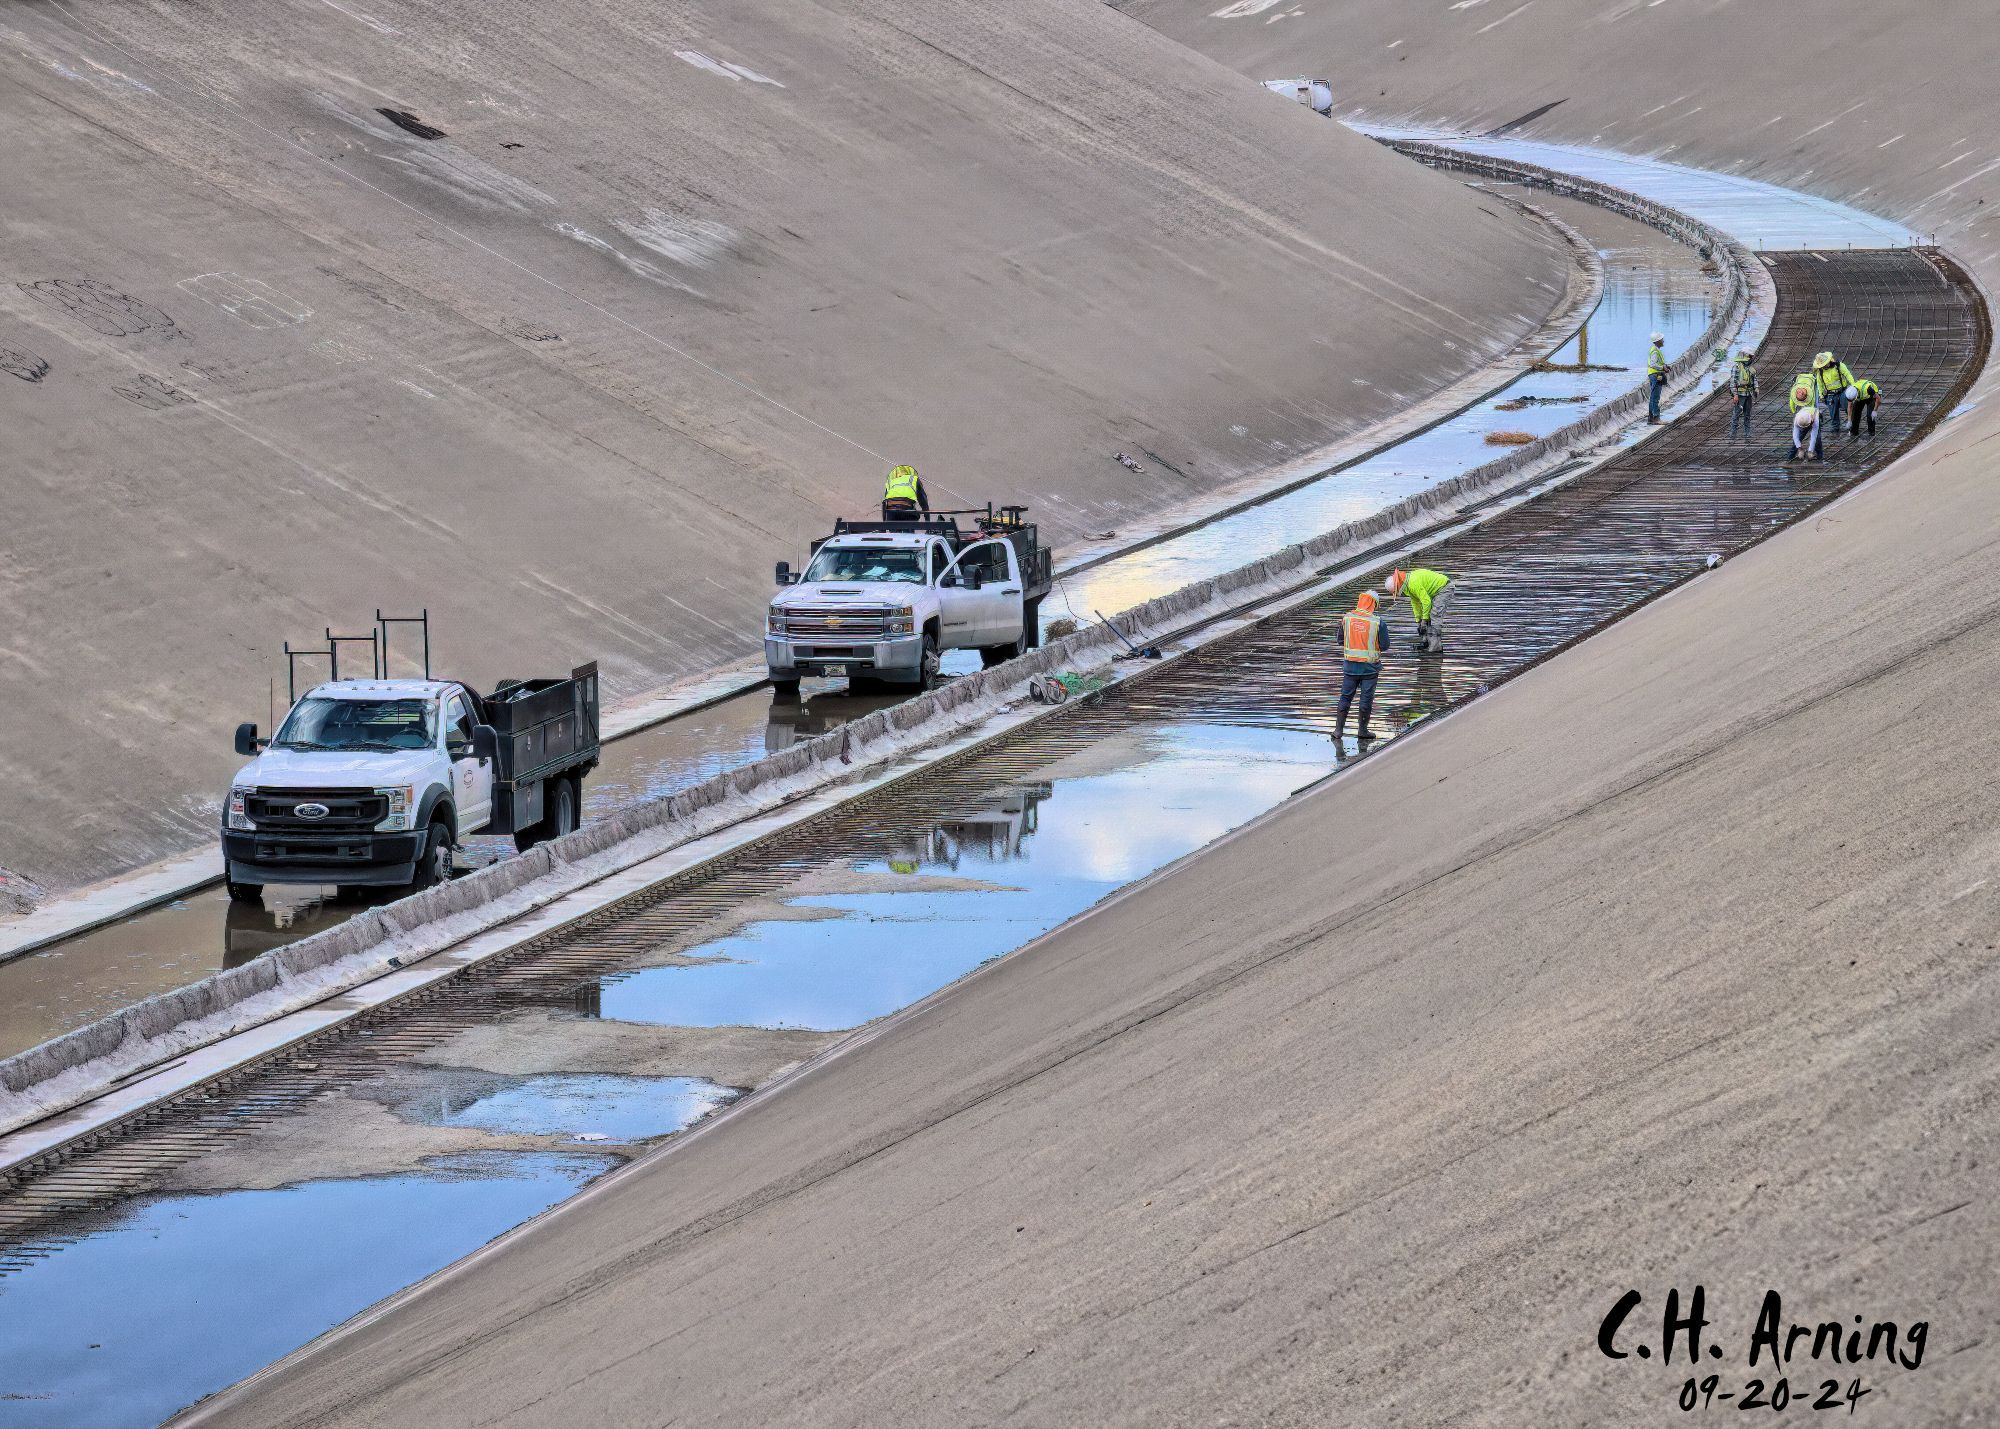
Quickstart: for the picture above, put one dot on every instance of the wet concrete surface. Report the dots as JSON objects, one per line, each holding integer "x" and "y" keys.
{"x": 596, "y": 1107}
{"x": 178, "y": 1296}
{"x": 1050, "y": 846}
{"x": 1651, "y": 282}
{"x": 1046, "y": 825}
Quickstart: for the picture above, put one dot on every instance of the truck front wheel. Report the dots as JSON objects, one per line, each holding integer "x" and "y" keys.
{"x": 927, "y": 667}
{"x": 244, "y": 892}
{"x": 434, "y": 863}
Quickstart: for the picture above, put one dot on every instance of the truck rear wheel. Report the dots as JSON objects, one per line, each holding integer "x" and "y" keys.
{"x": 561, "y": 802}
{"x": 434, "y": 862}
{"x": 244, "y": 892}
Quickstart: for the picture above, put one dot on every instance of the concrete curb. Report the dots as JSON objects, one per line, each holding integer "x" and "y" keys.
{"x": 93, "y": 1057}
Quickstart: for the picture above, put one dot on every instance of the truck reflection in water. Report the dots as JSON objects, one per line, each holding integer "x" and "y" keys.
{"x": 987, "y": 835}
{"x": 794, "y": 720}
{"x": 288, "y": 914}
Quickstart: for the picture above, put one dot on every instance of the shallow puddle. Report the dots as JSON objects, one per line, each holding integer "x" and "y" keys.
{"x": 181, "y": 1296}
{"x": 584, "y": 1108}
{"x": 1052, "y": 848}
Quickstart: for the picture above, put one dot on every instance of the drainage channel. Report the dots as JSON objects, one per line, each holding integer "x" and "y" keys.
{"x": 383, "y": 1149}
{"x": 1652, "y": 282}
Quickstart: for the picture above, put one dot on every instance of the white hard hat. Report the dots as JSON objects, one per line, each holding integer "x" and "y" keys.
{"x": 1744, "y": 353}
{"x": 1659, "y": 337}
{"x": 1854, "y": 394}
{"x": 1805, "y": 417}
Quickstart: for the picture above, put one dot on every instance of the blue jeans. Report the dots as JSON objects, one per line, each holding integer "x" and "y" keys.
{"x": 1656, "y": 383}
{"x": 1356, "y": 677}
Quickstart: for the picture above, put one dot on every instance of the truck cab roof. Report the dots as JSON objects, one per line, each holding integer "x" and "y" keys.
{"x": 383, "y": 689}
{"x": 903, "y": 540}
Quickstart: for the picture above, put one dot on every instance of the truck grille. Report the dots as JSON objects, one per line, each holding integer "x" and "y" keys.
{"x": 347, "y": 810}
{"x": 836, "y": 623}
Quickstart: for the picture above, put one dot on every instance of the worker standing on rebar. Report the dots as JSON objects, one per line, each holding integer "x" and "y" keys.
{"x": 903, "y": 495}
{"x": 1364, "y": 640}
{"x": 1834, "y": 379}
{"x": 1656, "y": 376}
{"x": 1429, "y": 593}
{"x": 1807, "y": 436}
{"x": 1862, "y": 399}
{"x": 1743, "y": 382}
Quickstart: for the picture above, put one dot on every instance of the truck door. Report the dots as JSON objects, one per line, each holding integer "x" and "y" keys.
{"x": 471, "y": 777}
{"x": 958, "y": 608}
{"x": 995, "y": 607}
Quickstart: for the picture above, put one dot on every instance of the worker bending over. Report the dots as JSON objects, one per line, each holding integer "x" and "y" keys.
{"x": 1656, "y": 376}
{"x": 1429, "y": 592}
{"x": 1743, "y": 382}
{"x": 1364, "y": 640}
{"x": 1807, "y": 436}
{"x": 903, "y": 496}
{"x": 1834, "y": 379}
{"x": 1862, "y": 399}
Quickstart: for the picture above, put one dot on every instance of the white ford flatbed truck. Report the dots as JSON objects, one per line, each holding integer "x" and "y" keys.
{"x": 372, "y": 783}
{"x": 883, "y": 600}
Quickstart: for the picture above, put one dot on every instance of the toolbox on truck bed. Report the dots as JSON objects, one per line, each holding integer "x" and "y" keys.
{"x": 541, "y": 727}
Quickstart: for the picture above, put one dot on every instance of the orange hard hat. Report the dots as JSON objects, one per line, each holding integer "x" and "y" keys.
{"x": 1365, "y": 602}
{"x": 1395, "y": 582}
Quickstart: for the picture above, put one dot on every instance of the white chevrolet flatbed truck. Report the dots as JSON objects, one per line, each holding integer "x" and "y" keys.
{"x": 883, "y": 600}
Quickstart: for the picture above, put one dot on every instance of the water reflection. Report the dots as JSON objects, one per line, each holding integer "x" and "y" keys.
{"x": 894, "y": 919}
{"x": 179, "y": 1296}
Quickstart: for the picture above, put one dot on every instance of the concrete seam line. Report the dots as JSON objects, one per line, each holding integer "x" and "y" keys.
{"x": 577, "y": 853}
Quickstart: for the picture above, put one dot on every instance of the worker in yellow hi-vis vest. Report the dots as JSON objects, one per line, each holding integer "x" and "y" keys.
{"x": 903, "y": 495}
{"x": 1656, "y": 376}
{"x": 1429, "y": 593}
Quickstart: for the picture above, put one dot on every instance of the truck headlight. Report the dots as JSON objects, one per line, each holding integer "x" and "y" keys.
{"x": 239, "y": 817}
{"x": 899, "y": 621}
{"x": 402, "y": 799}
{"x": 774, "y": 623}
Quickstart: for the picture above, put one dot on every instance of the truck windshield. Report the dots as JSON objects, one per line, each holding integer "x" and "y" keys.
{"x": 357, "y": 724}
{"x": 866, "y": 565}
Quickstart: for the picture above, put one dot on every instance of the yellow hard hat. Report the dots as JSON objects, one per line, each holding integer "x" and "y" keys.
{"x": 895, "y": 472}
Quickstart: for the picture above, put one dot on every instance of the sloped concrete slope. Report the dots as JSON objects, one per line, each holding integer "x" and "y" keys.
{"x": 1885, "y": 106}
{"x": 565, "y": 320}
{"x": 1668, "y": 963}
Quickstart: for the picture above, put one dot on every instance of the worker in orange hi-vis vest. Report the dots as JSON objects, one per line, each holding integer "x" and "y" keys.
{"x": 1364, "y": 640}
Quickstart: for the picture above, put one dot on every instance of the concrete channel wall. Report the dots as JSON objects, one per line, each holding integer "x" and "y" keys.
{"x": 78, "y": 1065}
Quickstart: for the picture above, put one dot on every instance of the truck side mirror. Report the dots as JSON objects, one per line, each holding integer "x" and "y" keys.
{"x": 948, "y": 581}
{"x": 784, "y": 573}
{"x": 485, "y": 742}
{"x": 970, "y": 579}
{"x": 246, "y": 740}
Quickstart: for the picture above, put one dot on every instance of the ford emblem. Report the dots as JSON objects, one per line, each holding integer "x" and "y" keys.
{"x": 311, "y": 811}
